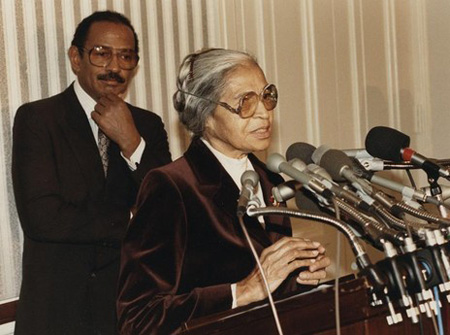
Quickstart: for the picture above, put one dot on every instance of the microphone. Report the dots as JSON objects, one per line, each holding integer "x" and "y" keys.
{"x": 405, "y": 191}
{"x": 371, "y": 163}
{"x": 391, "y": 144}
{"x": 277, "y": 163}
{"x": 338, "y": 165}
{"x": 286, "y": 190}
{"x": 300, "y": 150}
{"x": 249, "y": 180}
{"x": 386, "y": 143}
{"x": 371, "y": 227}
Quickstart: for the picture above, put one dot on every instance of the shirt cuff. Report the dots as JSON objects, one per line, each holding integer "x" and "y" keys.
{"x": 233, "y": 295}
{"x": 136, "y": 157}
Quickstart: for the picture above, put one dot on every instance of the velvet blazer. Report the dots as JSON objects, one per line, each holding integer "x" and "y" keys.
{"x": 73, "y": 217}
{"x": 184, "y": 247}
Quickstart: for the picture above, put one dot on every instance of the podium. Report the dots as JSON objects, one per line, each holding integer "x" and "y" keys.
{"x": 314, "y": 313}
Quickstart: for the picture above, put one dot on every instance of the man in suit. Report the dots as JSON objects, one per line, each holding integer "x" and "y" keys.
{"x": 73, "y": 197}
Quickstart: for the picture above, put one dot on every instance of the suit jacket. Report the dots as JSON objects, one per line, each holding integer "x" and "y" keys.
{"x": 184, "y": 247}
{"x": 73, "y": 217}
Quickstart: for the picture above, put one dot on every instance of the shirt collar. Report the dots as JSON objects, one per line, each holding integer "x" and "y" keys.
{"x": 234, "y": 166}
{"x": 85, "y": 99}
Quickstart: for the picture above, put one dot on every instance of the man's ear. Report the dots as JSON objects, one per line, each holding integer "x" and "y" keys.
{"x": 75, "y": 59}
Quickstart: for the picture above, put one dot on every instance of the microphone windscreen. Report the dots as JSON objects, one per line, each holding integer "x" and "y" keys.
{"x": 251, "y": 177}
{"x": 333, "y": 161}
{"x": 300, "y": 150}
{"x": 274, "y": 161}
{"x": 318, "y": 153}
{"x": 386, "y": 143}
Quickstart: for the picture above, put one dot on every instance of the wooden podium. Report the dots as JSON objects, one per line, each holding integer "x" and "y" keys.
{"x": 314, "y": 313}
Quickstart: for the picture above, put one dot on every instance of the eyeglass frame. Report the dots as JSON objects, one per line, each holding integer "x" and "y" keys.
{"x": 237, "y": 110}
{"x": 89, "y": 52}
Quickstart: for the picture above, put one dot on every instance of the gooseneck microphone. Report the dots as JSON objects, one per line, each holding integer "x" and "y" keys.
{"x": 391, "y": 144}
{"x": 249, "y": 180}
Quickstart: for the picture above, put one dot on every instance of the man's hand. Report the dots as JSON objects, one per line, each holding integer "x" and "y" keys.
{"x": 114, "y": 118}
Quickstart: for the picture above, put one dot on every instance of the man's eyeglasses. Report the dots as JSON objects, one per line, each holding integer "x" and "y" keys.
{"x": 102, "y": 56}
{"x": 249, "y": 102}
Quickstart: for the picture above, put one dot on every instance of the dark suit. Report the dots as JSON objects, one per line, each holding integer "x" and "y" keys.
{"x": 185, "y": 247}
{"x": 72, "y": 217}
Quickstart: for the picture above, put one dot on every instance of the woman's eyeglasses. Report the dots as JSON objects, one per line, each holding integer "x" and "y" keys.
{"x": 249, "y": 102}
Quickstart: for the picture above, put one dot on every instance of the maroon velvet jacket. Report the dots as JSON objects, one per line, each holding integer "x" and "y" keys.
{"x": 184, "y": 247}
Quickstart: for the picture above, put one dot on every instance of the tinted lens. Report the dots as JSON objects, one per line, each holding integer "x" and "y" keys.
{"x": 248, "y": 104}
{"x": 270, "y": 97}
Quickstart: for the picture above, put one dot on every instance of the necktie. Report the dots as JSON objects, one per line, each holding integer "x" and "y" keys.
{"x": 103, "y": 144}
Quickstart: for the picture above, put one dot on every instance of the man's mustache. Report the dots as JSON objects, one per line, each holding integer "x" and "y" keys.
{"x": 111, "y": 76}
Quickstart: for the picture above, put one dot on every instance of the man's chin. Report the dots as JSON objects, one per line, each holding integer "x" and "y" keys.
{"x": 115, "y": 89}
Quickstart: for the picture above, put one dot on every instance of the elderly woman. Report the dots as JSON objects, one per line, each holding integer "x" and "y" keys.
{"x": 185, "y": 254}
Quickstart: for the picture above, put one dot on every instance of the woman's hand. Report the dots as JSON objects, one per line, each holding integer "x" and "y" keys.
{"x": 278, "y": 261}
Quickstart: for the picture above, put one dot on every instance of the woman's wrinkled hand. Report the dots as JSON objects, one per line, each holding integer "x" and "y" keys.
{"x": 278, "y": 261}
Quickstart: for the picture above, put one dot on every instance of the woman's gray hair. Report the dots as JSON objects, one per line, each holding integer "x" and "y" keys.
{"x": 204, "y": 74}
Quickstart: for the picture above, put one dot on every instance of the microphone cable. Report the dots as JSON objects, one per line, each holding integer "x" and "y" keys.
{"x": 438, "y": 308}
{"x": 337, "y": 311}
{"x": 266, "y": 285}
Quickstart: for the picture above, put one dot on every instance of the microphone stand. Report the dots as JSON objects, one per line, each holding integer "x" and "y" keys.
{"x": 436, "y": 191}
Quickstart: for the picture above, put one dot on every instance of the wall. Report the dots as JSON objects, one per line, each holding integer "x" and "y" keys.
{"x": 342, "y": 67}
{"x": 439, "y": 66}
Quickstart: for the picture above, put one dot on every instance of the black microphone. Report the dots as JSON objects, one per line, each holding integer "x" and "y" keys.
{"x": 386, "y": 143}
{"x": 339, "y": 166}
{"x": 300, "y": 150}
{"x": 391, "y": 144}
{"x": 249, "y": 180}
